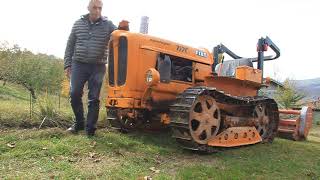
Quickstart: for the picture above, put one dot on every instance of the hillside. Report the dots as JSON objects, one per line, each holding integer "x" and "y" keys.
{"x": 309, "y": 86}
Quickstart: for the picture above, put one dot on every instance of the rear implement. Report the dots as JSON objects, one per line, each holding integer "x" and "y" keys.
{"x": 294, "y": 124}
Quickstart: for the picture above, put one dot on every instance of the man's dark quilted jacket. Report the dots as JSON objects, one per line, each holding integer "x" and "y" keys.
{"x": 87, "y": 41}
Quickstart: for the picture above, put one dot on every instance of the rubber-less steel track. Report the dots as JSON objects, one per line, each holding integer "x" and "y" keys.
{"x": 259, "y": 106}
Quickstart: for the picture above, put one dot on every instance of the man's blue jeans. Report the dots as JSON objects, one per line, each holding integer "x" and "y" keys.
{"x": 80, "y": 74}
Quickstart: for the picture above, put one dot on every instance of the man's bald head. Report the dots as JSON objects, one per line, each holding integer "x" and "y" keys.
{"x": 93, "y": 2}
{"x": 95, "y": 9}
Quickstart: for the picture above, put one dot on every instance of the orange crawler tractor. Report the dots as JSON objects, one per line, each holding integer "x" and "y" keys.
{"x": 206, "y": 101}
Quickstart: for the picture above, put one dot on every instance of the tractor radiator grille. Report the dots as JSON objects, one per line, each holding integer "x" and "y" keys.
{"x": 111, "y": 64}
{"x": 122, "y": 60}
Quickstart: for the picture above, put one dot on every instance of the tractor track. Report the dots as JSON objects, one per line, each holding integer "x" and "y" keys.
{"x": 180, "y": 110}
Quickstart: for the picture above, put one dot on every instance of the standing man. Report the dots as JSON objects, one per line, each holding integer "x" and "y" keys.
{"x": 85, "y": 61}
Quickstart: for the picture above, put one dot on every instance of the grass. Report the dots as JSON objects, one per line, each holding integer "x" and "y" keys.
{"x": 15, "y": 109}
{"x": 53, "y": 154}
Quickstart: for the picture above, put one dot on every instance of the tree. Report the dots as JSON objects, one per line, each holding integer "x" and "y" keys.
{"x": 36, "y": 72}
{"x": 7, "y": 61}
{"x": 289, "y": 97}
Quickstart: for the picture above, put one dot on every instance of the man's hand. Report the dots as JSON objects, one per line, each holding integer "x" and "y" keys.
{"x": 67, "y": 72}
{"x": 124, "y": 25}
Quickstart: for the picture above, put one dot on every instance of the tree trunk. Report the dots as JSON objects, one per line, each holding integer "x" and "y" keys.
{"x": 4, "y": 81}
{"x": 32, "y": 91}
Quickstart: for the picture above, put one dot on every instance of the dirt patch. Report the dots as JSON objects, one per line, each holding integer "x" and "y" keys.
{"x": 170, "y": 164}
{"x": 98, "y": 164}
{"x": 175, "y": 162}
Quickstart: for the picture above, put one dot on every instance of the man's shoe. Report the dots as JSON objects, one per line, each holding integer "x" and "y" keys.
{"x": 90, "y": 134}
{"x": 74, "y": 129}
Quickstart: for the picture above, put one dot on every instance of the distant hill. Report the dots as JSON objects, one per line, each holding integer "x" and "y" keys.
{"x": 309, "y": 86}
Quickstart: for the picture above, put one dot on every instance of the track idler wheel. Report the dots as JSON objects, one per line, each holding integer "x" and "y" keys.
{"x": 263, "y": 122}
{"x": 261, "y": 119}
{"x": 204, "y": 119}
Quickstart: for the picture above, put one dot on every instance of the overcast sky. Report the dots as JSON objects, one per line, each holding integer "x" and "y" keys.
{"x": 44, "y": 26}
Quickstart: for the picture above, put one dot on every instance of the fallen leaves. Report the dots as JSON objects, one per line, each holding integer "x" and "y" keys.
{"x": 76, "y": 153}
{"x": 11, "y": 145}
{"x": 119, "y": 153}
{"x": 147, "y": 178}
{"x": 310, "y": 173}
{"x": 92, "y": 154}
{"x": 72, "y": 160}
{"x": 93, "y": 144}
{"x": 97, "y": 160}
{"x": 95, "y": 157}
{"x": 158, "y": 159}
{"x": 153, "y": 169}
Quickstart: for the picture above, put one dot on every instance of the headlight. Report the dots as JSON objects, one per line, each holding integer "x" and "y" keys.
{"x": 149, "y": 76}
{"x": 152, "y": 77}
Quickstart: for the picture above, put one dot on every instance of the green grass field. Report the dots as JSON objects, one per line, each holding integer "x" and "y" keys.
{"x": 15, "y": 109}
{"x": 52, "y": 153}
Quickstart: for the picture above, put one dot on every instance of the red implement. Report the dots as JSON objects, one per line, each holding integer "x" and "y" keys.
{"x": 295, "y": 124}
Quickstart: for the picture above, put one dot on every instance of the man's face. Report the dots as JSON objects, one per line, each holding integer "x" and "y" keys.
{"x": 95, "y": 8}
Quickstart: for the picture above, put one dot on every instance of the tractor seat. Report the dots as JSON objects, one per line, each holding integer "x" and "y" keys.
{"x": 228, "y": 68}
